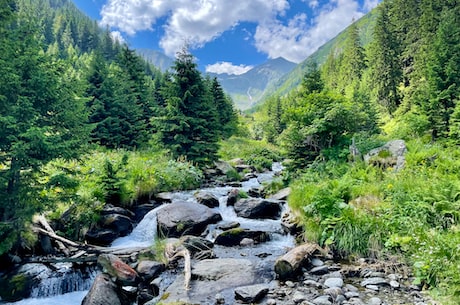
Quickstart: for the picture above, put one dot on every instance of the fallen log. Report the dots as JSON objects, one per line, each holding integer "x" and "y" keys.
{"x": 44, "y": 223}
{"x": 289, "y": 265}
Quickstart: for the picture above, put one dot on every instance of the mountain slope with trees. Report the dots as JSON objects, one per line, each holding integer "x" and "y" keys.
{"x": 400, "y": 84}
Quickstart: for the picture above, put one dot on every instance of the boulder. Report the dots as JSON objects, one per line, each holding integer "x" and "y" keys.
{"x": 206, "y": 198}
{"x": 252, "y": 293}
{"x": 143, "y": 209}
{"x": 233, "y": 237}
{"x": 120, "y": 224}
{"x": 223, "y": 167}
{"x": 233, "y": 196}
{"x": 111, "y": 209}
{"x": 104, "y": 292}
{"x": 181, "y": 218}
{"x": 281, "y": 194}
{"x": 196, "y": 244}
{"x": 209, "y": 277}
{"x": 149, "y": 270}
{"x": 392, "y": 154}
{"x": 19, "y": 283}
{"x": 115, "y": 267}
{"x": 100, "y": 237}
{"x": 258, "y": 208}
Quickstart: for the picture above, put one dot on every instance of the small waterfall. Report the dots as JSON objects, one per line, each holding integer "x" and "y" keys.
{"x": 65, "y": 279}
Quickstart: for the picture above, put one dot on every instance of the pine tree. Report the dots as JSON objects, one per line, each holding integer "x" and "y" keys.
{"x": 41, "y": 118}
{"x": 384, "y": 63}
{"x": 189, "y": 126}
{"x": 443, "y": 72}
{"x": 227, "y": 118}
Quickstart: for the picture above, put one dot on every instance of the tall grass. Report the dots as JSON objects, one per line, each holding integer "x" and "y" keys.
{"x": 357, "y": 209}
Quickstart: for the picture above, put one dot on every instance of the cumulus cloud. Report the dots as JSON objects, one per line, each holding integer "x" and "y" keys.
{"x": 228, "y": 68}
{"x": 196, "y": 22}
{"x": 299, "y": 38}
{"x": 199, "y": 22}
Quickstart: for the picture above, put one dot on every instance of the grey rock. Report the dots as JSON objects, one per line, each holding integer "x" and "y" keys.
{"x": 103, "y": 292}
{"x": 373, "y": 287}
{"x": 394, "y": 284}
{"x": 282, "y": 194}
{"x": 179, "y": 218}
{"x": 252, "y": 293}
{"x": 374, "y": 301}
{"x": 333, "y": 292}
{"x": 211, "y": 275}
{"x": 149, "y": 270}
{"x": 351, "y": 294}
{"x": 316, "y": 262}
{"x": 271, "y": 302}
{"x": 322, "y": 300}
{"x": 223, "y": 167}
{"x": 219, "y": 299}
{"x": 258, "y": 208}
{"x": 207, "y": 199}
{"x": 374, "y": 281}
{"x": 312, "y": 283}
{"x": 349, "y": 287}
{"x": 320, "y": 270}
{"x": 333, "y": 282}
{"x": 335, "y": 274}
{"x": 234, "y": 237}
{"x": 299, "y": 297}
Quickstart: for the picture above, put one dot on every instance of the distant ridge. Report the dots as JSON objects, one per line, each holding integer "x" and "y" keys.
{"x": 246, "y": 89}
{"x": 156, "y": 58}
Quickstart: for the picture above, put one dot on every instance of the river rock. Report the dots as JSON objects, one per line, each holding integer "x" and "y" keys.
{"x": 258, "y": 208}
{"x": 378, "y": 281}
{"x": 115, "y": 267}
{"x": 196, "y": 244}
{"x": 232, "y": 196}
{"x": 395, "y": 156}
{"x": 233, "y": 237}
{"x": 209, "y": 277}
{"x": 104, "y": 292}
{"x": 120, "y": 224}
{"x": 206, "y": 198}
{"x": 252, "y": 293}
{"x": 149, "y": 270}
{"x": 320, "y": 270}
{"x": 143, "y": 209}
{"x": 333, "y": 282}
{"x": 281, "y": 194}
{"x": 179, "y": 218}
{"x": 100, "y": 237}
{"x": 223, "y": 167}
{"x": 109, "y": 209}
{"x": 322, "y": 300}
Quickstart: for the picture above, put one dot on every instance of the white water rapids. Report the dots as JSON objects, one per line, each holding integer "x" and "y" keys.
{"x": 145, "y": 232}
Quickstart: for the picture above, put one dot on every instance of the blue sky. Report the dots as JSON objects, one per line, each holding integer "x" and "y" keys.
{"x": 227, "y": 36}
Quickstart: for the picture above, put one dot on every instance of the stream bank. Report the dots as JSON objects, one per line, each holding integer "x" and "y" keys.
{"x": 239, "y": 269}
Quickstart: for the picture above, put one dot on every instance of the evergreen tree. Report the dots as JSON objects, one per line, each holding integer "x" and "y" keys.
{"x": 41, "y": 118}
{"x": 385, "y": 68}
{"x": 274, "y": 125}
{"x": 312, "y": 81}
{"x": 189, "y": 126}
{"x": 227, "y": 118}
{"x": 353, "y": 60}
{"x": 443, "y": 72}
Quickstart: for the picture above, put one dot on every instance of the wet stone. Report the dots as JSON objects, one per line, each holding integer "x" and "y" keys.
{"x": 351, "y": 294}
{"x": 316, "y": 262}
{"x": 320, "y": 270}
{"x": 374, "y": 281}
{"x": 333, "y": 282}
{"x": 312, "y": 283}
{"x": 375, "y": 301}
{"x": 322, "y": 300}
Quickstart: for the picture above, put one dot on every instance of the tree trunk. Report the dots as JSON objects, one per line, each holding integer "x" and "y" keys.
{"x": 290, "y": 264}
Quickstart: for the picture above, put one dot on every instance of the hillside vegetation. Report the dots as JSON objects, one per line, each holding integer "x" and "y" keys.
{"x": 401, "y": 84}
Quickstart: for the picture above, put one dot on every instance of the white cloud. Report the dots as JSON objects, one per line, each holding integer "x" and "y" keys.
{"x": 370, "y": 4}
{"x": 196, "y": 22}
{"x": 199, "y": 22}
{"x": 117, "y": 36}
{"x": 301, "y": 37}
{"x": 227, "y": 67}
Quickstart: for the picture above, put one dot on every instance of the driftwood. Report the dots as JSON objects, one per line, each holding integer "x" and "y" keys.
{"x": 289, "y": 265}
{"x": 44, "y": 223}
{"x": 173, "y": 252}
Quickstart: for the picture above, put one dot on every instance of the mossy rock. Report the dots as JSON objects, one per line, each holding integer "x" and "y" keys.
{"x": 15, "y": 288}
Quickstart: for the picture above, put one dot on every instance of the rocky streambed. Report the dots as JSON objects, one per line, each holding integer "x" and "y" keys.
{"x": 234, "y": 245}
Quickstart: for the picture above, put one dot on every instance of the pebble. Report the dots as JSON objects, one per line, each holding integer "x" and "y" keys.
{"x": 316, "y": 262}
{"x": 394, "y": 284}
{"x": 333, "y": 282}
{"x": 322, "y": 300}
{"x": 312, "y": 283}
{"x": 351, "y": 294}
{"x": 373, "y": 287}
{"x": 299, "y": 297}
{"x": 290, "y": 284}
{"x": 374, "y": 281}
{"x": 375, "y": 301}
{"x": 320, "y": 270}
{"x": 219, "y": 299}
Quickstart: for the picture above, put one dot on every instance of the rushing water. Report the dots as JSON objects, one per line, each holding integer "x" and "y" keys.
{"x": 144, "y": 235}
